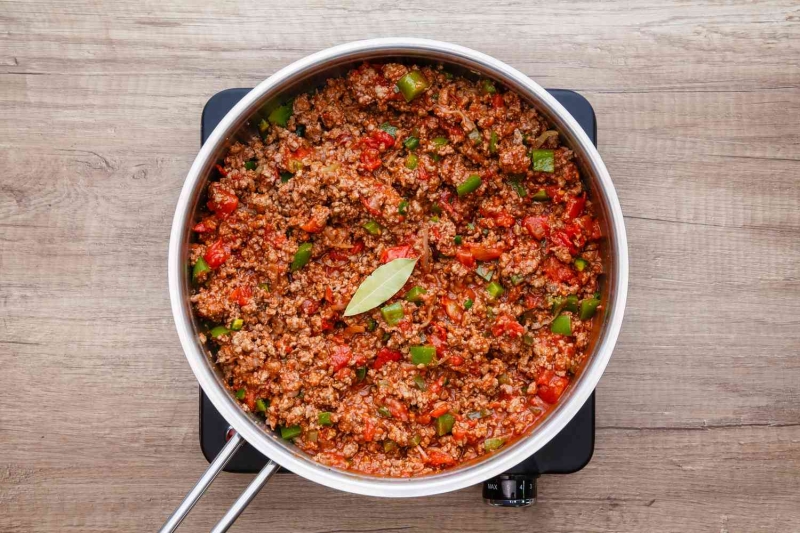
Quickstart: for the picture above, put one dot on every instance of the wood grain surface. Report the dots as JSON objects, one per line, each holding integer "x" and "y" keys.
{"x": 698, "y": 105}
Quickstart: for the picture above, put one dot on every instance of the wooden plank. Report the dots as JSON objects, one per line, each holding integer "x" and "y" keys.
{"x": 698, "y": 426}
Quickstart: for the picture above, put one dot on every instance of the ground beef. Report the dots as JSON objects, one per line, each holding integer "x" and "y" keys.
{"x": 365, "y": 176}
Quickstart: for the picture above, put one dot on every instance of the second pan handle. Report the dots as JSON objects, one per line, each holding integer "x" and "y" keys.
{"x": 246, "y": 497}
{"x": 231, "y": 447}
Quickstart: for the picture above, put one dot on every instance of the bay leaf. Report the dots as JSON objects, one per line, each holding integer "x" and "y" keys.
{"x": 381, "y": 285}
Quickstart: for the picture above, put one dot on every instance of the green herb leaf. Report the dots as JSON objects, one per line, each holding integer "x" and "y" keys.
{"x": 381, "y": 285}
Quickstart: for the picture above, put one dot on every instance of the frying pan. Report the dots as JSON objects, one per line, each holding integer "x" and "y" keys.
{"x": 239, "y": 125}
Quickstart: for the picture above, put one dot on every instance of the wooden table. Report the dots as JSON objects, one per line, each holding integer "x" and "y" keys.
{"x": 698, "y": 422}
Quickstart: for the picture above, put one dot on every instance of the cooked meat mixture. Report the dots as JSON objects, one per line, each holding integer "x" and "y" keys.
{"x": 394, "y": 161}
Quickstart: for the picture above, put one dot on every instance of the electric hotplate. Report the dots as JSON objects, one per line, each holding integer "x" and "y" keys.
{"x": 567, "y": 452}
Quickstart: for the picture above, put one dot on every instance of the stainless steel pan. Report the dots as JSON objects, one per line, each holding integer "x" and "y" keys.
{"x": 237, "y": 124}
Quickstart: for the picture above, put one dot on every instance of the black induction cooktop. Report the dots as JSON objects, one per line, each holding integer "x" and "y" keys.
{"x": 567, "y": 452}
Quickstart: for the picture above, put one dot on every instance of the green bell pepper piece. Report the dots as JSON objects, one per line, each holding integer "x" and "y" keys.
{"x": 219, "y": 331}
{"x": 262, "y": 405}
{"x": 412, "y": 84}
{"x": 301, "y": 257}
{"x": 469, "y": 185}
{"x": 415, "y": 293}
{"x": 388, "y": 128}
{"x": 562, "y": 325}
{"x": 493, "y": 140}
{"x": 540, "y": 196}
{"x": 422, "y": 355}
{"x": 444, "y": 424}
{"x": 411, "y": 143}
{"x": 280, "y": 115}
{"x": 588, "y": 308}
{"x": 543, "y": 160}
{"x": 372, "y": 227}
{"x": 392, "y": 313}
{"x": 493, "y": 444}
{"x": 495, "y": 290}
{"x": 199, "y": 267}
{"x": 290, "y": 432}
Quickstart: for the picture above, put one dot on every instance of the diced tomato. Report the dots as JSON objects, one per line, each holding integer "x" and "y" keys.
{"x": 329, "y": 295}
{"x": 507, "y": 324}
{"x": 221, "y": 201}
{"x": 250, "y": 398}
{"x": 343, "y": 373}
{"x": 538, "y": 402}
{"x": 217, "y": 254}
{"x": 301, "y": 153}
{"x": 312, "y": 226}
{"x": 437, "y": 385}
{"x": 205, "y": 226}
{"x": 396, "y": 252}
{"x": 372, "y": 205}
{"x": 275, "y": 238}
{"x": 500, "y": 218}
{"x": 384, "y": 356}
{"x": 504, "y": 220}
{"x": 357, "y": 248}
{"x": 596, "y": 233}
{"x": 550, "y": 387}
{"x": 465, "y": 257}
{"x": 562, "y": 238}
{"x": 544, "y": 376}
{"x": 439, "y": 338}
{"x": 397, "y": 408}
{"x": 241, "y": 295}
{"x": 369, "y": 430}
{"x": 454, "y": 133}
{"x": 370, "y": 159}
{"x": 221, "y": 170}
{"x": 378, "y": 140}
{"x": 437, "y": 458}
{"x": 340, "y": 357}
{"x": 456, "y": 360}
{"x": 336, "y": 255}
{"x": 575, "y": 206}
{"x": 460, "y": 433}
{"x": 422, "y": 174}
{"x": 534, "y": 301}
{"x": 485, "y": 253}
{"x": 439, "y": 410}
{"x": 497, "y": 101}
{"x": 424, "y": 419}
{"x": 309, "y": 307}
{"x": 327, "y": 325}
{"x": 557, "y": 271}
{"x": 555, "y": 193}
{"x": 514, "y": 293}
{"x": 538, "y": 226}
{"x": 452, "y": 308}
{"x": 576, "y": 235}
{"x": 591, "y": 227}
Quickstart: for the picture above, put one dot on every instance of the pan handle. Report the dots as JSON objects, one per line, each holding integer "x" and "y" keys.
{"x": 219, "y": 462}
{"x": 246, "y": 497}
